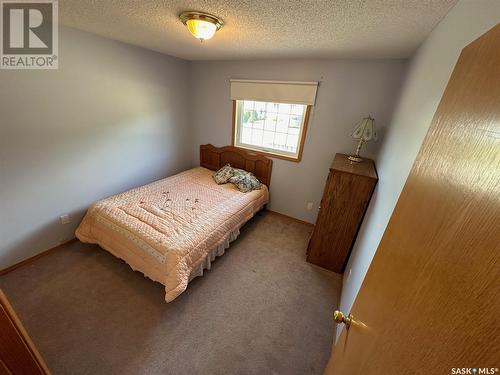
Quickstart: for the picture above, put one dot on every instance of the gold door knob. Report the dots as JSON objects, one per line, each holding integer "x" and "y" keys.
{"x": 339, "y": 317}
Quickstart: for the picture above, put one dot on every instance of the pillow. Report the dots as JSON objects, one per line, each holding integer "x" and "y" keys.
{"x": 245, "y": 181}
{"x": 223, "y": 175}
{"x": 239, "y": 172}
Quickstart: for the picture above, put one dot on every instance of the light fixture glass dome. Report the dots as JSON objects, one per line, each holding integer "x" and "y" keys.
{"x": 201, "y": 25}
{"x": 200, "y": 29}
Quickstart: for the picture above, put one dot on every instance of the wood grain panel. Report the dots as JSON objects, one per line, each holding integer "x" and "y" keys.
{"x": 348, "y": 190}
{"x": 430, "y": 301}
{"x": 17, "y": 353}
{"x": 213, "y": 158}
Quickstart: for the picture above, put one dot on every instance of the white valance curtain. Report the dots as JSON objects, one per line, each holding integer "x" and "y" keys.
{"x": 274, "y": 91}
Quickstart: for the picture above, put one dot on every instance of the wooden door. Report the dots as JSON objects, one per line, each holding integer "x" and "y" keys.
{"x": 18, "y": 355}
{"x": 430, "y": 302}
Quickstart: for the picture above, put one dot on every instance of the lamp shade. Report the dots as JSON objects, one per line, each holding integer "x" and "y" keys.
{"x": 365, "y": 130}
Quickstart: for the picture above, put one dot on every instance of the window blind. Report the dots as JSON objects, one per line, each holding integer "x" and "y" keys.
{"x": 274, "y": 91}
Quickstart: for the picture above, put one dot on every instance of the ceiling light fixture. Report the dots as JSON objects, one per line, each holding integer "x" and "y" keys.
{"x": 202, "y": 25}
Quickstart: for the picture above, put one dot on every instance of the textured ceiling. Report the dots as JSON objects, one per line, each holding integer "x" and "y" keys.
{"x": 265, "y": 28}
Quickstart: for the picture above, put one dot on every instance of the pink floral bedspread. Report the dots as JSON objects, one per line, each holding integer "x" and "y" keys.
{"x": 168, "y": 228}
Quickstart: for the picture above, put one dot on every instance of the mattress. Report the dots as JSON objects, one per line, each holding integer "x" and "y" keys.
{"x": 171, "y": 229}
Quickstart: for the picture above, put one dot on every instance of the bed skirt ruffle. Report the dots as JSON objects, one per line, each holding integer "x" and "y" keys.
{"x": 206, "y": 264}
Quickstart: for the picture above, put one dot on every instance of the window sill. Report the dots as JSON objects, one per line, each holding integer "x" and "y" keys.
{"x": 270, "y": 154}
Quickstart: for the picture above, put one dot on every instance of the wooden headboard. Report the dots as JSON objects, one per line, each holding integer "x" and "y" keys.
{"x": 214, "y": 158}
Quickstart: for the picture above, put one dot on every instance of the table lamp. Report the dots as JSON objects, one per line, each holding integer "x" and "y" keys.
{"x": 365, "y": 131}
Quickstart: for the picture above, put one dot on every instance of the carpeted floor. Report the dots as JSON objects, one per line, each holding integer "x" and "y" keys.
{"x": 261, "y": 309}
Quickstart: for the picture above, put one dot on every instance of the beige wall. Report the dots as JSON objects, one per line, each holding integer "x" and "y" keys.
{"x": 348, "y": 91}
{"x": 427, "y": 77}
{"x": 111, "y": 118}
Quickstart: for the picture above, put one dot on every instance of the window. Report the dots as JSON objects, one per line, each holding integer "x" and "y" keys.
{"x": 273, "y": 128}
{"x": 271, "y": 116}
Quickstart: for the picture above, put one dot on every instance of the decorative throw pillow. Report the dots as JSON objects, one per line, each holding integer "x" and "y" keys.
{"x": 256, "y": 185}
{"x": 245, "y": 182}
{"x": 242, "y": 183}
{"x": 223, "y": 175}
{"x": 239, "y": 172}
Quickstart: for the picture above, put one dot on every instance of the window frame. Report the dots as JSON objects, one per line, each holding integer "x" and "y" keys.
{"x": 270, "y": 153}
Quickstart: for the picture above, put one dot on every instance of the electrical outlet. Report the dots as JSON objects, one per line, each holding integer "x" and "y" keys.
{"x": 65, "y": 219}
{"x": 310, "y": 205}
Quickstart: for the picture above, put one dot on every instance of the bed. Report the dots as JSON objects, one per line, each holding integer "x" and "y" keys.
{"x": 172, "y": 229}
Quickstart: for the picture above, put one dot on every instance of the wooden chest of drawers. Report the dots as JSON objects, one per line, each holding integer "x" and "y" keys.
{"x": 348, "y": 190}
